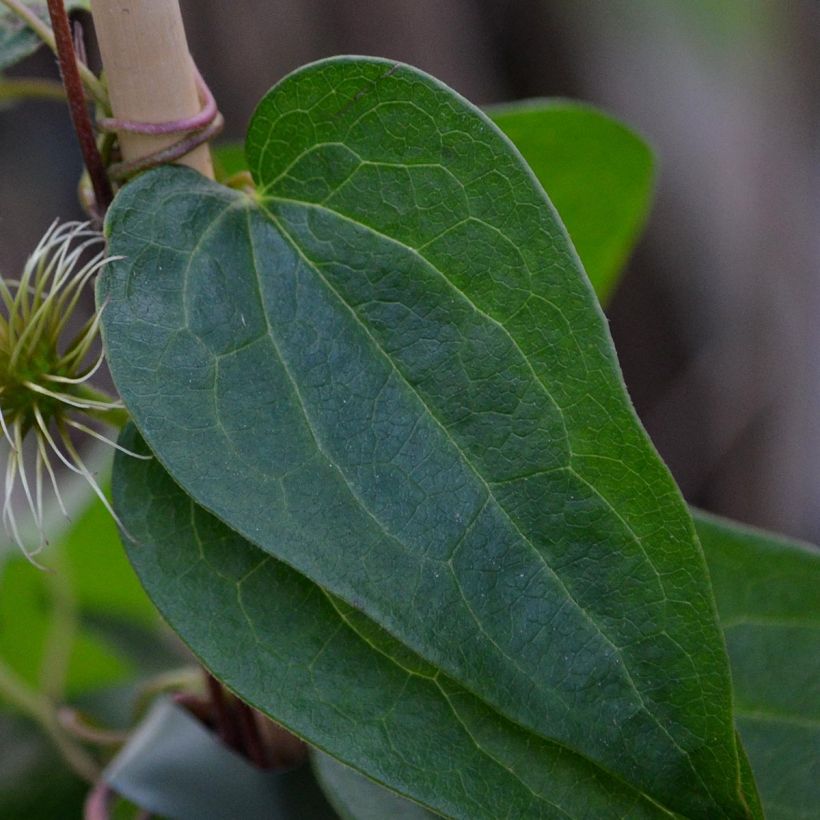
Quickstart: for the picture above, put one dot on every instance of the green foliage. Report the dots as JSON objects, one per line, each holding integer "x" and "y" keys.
{"x": 101, "y": 577}
{"x": 17, "y": 40}
{"x": 329, "y": 674}
{"x": 66, "y": 635}
{"x": 34, "y": 782}
{"x": 390, "y": 373}
{"x": 92, "y": 577}
{"x": 597, "y": 173}
{"x": 400, "y": 500}
{"x": 767, "y": 594}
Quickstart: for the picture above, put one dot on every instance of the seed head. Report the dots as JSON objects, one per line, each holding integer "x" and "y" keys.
{"x": 45, "y": 370}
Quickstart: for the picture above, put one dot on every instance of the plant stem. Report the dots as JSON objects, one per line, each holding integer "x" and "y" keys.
{"x": 59, "y": 641}
{"x": 225, "y": 720}
{"x": 251, "y": 737}
{"x": 31, "y": 88}
{"x": 95, "y": 88}
{"x": 77, "y": 105}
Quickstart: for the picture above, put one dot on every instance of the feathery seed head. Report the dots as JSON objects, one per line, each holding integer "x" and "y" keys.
{"x": 45, "y": 371}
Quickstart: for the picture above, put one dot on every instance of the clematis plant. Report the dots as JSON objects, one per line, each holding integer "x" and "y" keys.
{"x": 376, "y": 464}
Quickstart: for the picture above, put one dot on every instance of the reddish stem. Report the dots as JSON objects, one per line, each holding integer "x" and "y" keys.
{"x": 251, "y": 737}
{"x": 77, "y": 105}
{"x": 223, "y": 718}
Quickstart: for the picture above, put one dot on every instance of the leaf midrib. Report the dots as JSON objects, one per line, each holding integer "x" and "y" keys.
{"x": 492, "y": 319}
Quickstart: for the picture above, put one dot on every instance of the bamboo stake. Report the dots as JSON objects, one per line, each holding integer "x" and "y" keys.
{"x": 151, "y": 77}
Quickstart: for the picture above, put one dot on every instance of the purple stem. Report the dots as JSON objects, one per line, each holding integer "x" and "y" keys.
{"x": 77, "y": 105}
{"x": 201, "y": 119}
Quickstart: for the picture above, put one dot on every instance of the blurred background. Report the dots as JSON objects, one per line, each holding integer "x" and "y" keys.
{"x": 716, "y": 320}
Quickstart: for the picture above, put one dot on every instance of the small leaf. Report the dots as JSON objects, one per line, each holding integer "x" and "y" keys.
{"x": 389, "y": 371}
{"x": 26, "y": 617}
{"x": 597, "y": 172}
{"x": 173, "y": 766}
{"x": 229, "y": 159}
{"x": 17, "y": 40}
{"x": 102, "y": 579}
{"x": 768, "y": 595}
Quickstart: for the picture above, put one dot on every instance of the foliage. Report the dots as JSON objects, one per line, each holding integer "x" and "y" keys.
{"x": 766, "y": 590}
{"x": 394, "y": 493}
{"x": 17, "y": 40}
{"x": 395, "y": 331}
{"x": 598, "y": 175}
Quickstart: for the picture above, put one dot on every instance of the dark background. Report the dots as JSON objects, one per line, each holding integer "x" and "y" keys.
{"x": 717, "y": 319}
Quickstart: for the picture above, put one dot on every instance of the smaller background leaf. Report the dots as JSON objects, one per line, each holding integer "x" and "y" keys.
{"x": 26, "y": 614}
{"x": 173, "y": 766}
{"x": 229, "y": 159}
{"x": 104, "y": 582}
{"x": 597, "y": 172}
{"x": 17, "y": 40}
{"x": 767, "y": 594}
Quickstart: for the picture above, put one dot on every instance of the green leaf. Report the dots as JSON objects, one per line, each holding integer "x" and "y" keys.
{"x": 102, "y": 579}
{"x": 173, "y": 766}
{"x": 767, "y": 593}
{"x": 329, "y": 674}
{"x": 27, "y": 613}
{"x": 17, "y": 40}
{"x": 597, "y": 172}
{"x": 389, "y": 371}
{"x": 229, "y": 159}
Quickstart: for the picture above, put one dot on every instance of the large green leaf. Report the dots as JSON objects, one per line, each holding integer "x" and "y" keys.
{"x": 332, "y": 676}
{"x": 597, "y": 172}
{"x": 390, "y": 372}
{"x": 768, "y": 594}
{"x": 17, "y": 40}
